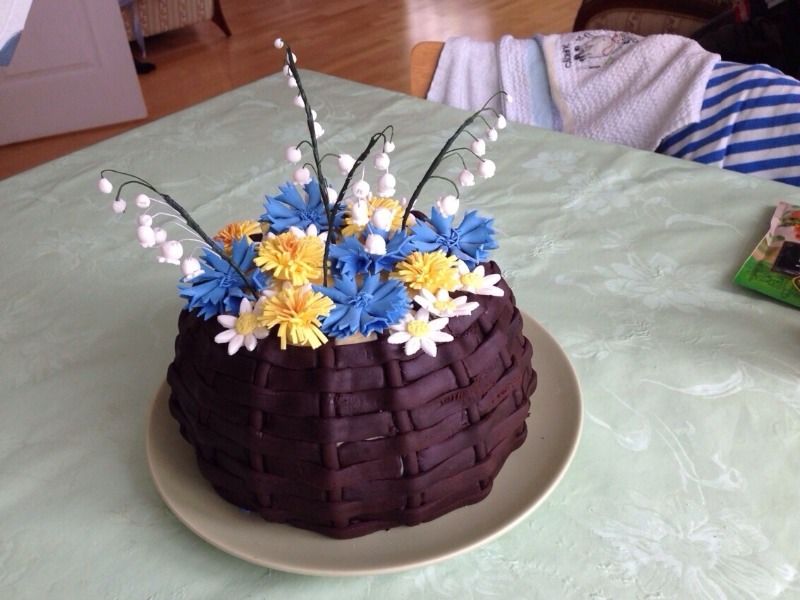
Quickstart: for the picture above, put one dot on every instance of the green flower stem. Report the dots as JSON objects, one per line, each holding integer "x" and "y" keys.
{"x": 330, "y": 212}
{"x": 194, "y": 225}
{"x": 323, "y": 184}
{"x": 361, "y": 158}
{"x": 443, "y": 153}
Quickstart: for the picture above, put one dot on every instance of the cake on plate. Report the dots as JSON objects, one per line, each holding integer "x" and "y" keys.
{"x": 346, "y": 363}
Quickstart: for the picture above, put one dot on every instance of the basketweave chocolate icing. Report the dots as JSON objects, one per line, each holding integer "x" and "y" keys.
{"x": 348, "y": 440}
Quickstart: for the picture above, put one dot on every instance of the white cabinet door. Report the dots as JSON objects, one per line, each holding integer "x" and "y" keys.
{"x": 71, "y": 70}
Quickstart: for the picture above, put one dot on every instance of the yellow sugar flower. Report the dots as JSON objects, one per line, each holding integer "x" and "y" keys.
{"x": 297, "y": 313}
{"x": 351, "y": 228}
{"x": 236, "y": 231}
{"x": 433, "y": 271}
{"x": 292, "y": 258}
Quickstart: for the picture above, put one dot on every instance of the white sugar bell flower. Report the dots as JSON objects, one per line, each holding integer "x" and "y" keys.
{"x": 278, "y": 43}
{"x": 359, "y": 212}
{"x": 447, "y": 205}
{"x": 160, "y": 235}
{"x": 105, "y": 186}
{"x": 382, "y": 161}
{"x": 301, "y": 176}
{"x": 293, "y": 155}
{"x": 298, "y": 101}
{"x": 345, "y": 163}
{"x": 292, "y": 82}
{"x": 146, "y": 236}
{"x": 382, "y": 218}
{"x": 318, "y": 130}
{"x": 361, "y": 189}
{"x": 190, "y": 267}
{"x": 375, "y": 244}
{"x": 478, "y": 147}
{"x": 171, "y": 252}
{"x": 491, "y": 134}
{"x": 142, "y": 201}
{"x": 466, "y": 178}
{"x": 388, "y": 146}
{"x": 486, "y": 168}
{"x": 386, "y": 185}
{"x": 119, "y": 205}
{"x": 144, "y": 219}
{"x": 333, "y": 195}
{"x": 501, "y": 122}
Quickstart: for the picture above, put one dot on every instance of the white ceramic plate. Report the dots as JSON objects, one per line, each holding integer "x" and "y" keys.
{"x": 528, "y": 476}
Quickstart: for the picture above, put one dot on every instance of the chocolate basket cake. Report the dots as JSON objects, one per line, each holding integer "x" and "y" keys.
{"x": 345, "y": 364}
{"x": 351, "y": 439}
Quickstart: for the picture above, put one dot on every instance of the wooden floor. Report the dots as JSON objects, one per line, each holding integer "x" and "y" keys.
{"x": 364, "y": 40}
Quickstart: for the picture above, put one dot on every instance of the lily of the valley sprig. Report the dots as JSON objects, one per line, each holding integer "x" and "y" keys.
{"x": 321, "y": 264}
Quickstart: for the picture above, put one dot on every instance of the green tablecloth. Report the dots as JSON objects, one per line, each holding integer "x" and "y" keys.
{"x": 684, "y": 484}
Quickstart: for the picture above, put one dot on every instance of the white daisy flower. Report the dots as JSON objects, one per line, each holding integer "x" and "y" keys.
{"x": 477, "y": 282}
{"x": 443, "y": 305}
{"x": 310, "y": 231}
{"x": 243, "y": 330}
{"x": 415, "y": 331}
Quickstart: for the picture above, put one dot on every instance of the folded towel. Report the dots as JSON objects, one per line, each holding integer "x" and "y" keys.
{"x": 607, "y": 85}
{"x": 466, "y": 75}
{"x": 623, "y": 88}
{"x": 471, "y": 72}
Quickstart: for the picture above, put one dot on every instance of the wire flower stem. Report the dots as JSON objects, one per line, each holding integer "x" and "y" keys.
{"x": 442, "y": 155}
{"x": 194, "y": 225}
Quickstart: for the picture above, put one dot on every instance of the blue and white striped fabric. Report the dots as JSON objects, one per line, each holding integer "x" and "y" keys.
{"x": 749, "y": 122}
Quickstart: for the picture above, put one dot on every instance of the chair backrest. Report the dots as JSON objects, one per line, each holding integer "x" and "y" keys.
{"x": 423, "y": 61}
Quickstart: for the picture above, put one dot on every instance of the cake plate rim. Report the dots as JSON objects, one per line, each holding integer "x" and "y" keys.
{"x": 554, "y": 431}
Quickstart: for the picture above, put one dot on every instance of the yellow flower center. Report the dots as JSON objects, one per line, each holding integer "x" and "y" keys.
{"x": 418, "y": 328}
{"x": 444, "y": 305}
{"x": 246, "y": 323}
{"x": 472, "y": 280}
{"x": 289, "y": 244}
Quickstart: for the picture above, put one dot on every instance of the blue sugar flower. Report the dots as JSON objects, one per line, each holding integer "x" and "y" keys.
{"x": 219, "y": 288}
{"x": 349, "y": 257}
{"x": 372, "y": 307}
{"x": 260, "y": 279}
{"x": 290, "y": 209}
{"x": 468, "y": 242}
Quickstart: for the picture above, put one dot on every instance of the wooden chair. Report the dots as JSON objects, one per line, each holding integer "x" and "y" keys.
{"x": 422, "y": 66}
